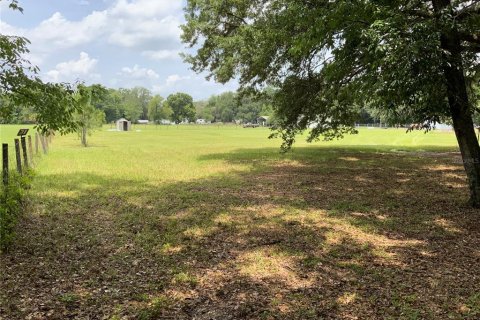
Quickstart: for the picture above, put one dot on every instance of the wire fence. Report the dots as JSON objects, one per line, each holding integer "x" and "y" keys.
{"x": 21, "y": 153}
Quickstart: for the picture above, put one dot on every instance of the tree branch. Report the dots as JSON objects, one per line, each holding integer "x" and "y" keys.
{"x": 469, "y": 10}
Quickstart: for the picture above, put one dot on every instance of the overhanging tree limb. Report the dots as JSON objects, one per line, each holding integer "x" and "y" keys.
{"x": 403, "y": 58}
{"x": 468, "y": 11}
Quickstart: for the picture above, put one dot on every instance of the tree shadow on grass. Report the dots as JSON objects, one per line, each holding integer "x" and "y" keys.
{"x": 320, "y": 234}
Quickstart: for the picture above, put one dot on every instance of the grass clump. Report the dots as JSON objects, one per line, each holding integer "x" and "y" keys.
{"x": 185, "y": 278}
{"x": 11, "y": 196}
{"x": 69, "y": 299}
{"x": 155, "y": 308}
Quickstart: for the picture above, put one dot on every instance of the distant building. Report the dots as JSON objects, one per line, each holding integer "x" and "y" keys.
{"x": 142, "y": 121}
{"x": 263, "y": 120}
{"x": 124, "y": 125}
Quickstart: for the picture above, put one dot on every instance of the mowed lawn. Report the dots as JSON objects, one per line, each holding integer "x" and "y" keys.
{"x": 213, "y": 222}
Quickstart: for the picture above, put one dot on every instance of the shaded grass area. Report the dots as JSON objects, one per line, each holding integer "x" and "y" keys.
{"x": 320, "y": 233}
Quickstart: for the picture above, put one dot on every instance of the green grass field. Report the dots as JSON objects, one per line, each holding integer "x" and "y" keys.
{"x": 182, "y": 153}
{"x": 213, "y": 222}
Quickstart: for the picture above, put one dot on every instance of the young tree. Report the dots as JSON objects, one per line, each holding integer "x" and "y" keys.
{"x": 154, "y": 108}
{"x": 88, "y": 117}
{"x": 182, "y": 107}
{"x": 410, "y": 59}
{"x": 142, "y": 97}
{"x": 158, "y": 109}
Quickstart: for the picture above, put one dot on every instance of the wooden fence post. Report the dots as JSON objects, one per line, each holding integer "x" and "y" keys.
{"x": 30, "y": 148}
{"x": 44, "y": 146}
{"x": 5, "y": 163}
{"x": 24, "y": 150}
{"x": 36, "y": 142}
{"x": 17, "y": 155}
{"x": 45, "y": 138}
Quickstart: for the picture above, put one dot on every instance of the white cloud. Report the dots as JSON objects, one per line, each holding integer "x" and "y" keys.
{"x": 125, "y": 33}
{"x": 149, "y": 25}
{"x": 11, "y": 30}
{"x": 58, "y": 32}
{"x": 146, "y": 34}
{"x": 171, "y": 83}
{"x": 139, "y": 73}
{"x": 73, "y": 69}
{"x": 174, "y": 78}
{"x": 145, "y": 8}
{"x": 162, "y": 54}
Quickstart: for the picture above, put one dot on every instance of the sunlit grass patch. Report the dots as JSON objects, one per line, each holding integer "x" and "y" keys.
{"x": 347, "y": 298}
{"x": 270, "y": 264}
{"x": 168, "y": 248}
{"x": 185, "y": 278}
{"x": 197, "y": 232}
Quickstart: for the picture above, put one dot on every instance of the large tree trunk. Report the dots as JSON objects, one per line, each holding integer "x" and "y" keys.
{"x": 465, "y": 133}
{"x": 459, "y": 105}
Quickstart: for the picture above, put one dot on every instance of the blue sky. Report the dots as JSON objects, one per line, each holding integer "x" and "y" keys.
{"x": 119, "y": 43}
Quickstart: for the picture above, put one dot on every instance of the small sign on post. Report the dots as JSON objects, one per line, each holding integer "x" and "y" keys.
{"x": 22, "y": 132}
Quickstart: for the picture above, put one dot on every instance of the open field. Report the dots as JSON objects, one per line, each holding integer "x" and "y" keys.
{"x": 214, "y": 223}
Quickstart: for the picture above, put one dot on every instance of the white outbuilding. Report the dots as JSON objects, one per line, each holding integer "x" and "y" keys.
{"x": 124, "y": 125}
{"x": 263, "y": 121}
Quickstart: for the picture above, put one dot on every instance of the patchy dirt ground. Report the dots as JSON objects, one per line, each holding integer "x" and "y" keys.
{"x": 352, "y": 235}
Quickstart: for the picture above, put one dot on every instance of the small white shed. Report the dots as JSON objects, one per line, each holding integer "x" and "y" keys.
{"x": 263, "y": 120}
{"x": 124, "y": 125}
